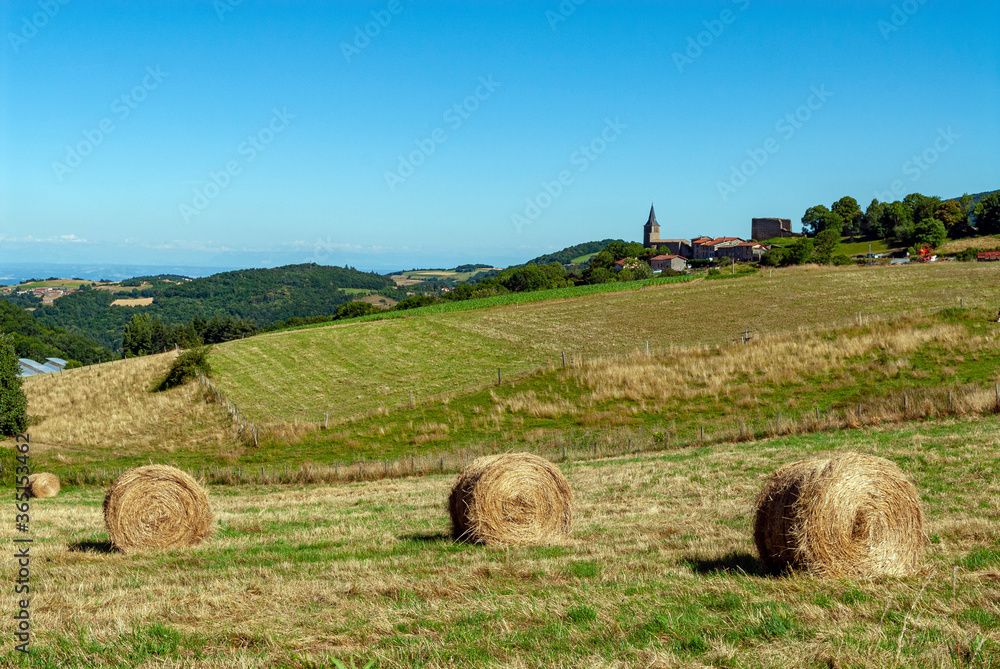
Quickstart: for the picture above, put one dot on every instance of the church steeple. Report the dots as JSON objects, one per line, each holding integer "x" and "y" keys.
{"x": 651, "y": 231}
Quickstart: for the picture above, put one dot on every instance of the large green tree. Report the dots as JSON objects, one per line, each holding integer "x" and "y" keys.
{"x": 13, "y": 402}
{"x": 871, "y": 222}
{"x": 988, "y": 215}
{"x": 826, "y": 242}
{"x": 929, "y": 232}
{"x": 819, "y": 218}
{"x": 953, "y": 217}
{"x": 850, "y": 213}
{"x": 921, "y": 206}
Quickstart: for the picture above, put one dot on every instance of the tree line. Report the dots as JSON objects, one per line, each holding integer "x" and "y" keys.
{"x": 915, "y": 222}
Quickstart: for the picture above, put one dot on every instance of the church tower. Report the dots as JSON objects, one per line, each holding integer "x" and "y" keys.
{"x": 651, "y": 231}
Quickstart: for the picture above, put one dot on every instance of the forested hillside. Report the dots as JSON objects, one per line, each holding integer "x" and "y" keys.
{"x": 33, "y": 340}
{"x": 265, "y": 296}
{"x": 567, "y": 255}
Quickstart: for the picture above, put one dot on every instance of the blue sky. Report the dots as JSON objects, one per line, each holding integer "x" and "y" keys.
{"x": 250, "y": 133}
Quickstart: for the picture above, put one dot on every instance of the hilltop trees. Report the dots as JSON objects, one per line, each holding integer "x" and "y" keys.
{"x": 13, "y": 402}
{"x": 850, "y": 213}
{"x": 819, "y": 218}
{"x": 145, "y": 335}
{"x": 988, "y": 215}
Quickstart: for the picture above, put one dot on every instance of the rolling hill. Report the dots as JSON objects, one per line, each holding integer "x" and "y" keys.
{"x": 266, "y": 296}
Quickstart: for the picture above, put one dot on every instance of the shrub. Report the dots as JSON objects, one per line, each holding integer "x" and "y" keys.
{"x": 355, "y": 309}
{"x": 13, "y": 402}
{"x": 186, "y": 367}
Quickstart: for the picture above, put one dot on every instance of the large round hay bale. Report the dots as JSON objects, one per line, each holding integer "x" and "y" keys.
{"x": 43, "y": 484}
{"x": 851, "y": 515}
{"x": 513, "y": 498}
{"x": 156, "y": 506}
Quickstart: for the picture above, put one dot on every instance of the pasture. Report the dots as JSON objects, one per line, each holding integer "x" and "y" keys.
{"x": 660, "y": 571}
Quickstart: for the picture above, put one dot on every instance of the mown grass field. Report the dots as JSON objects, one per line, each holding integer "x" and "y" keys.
{"x": 660, "y": 571}
{"x": 355, "y": 368}
{"x": 106, "y": 417}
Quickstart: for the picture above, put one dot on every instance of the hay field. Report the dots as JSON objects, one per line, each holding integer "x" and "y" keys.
{"x": 660, "y": 571}
{"x": 108, "y": 409}
{"x": 359, "y": 367}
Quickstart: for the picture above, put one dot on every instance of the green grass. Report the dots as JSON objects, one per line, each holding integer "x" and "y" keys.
{"x": 456, "y": 347}
{"x": 661, "y": 564}
{"x": 579, "y": 260}
{"x": 856, "y": 248}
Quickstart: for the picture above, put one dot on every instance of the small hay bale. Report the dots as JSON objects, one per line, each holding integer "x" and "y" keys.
{"x": 43, "y": 484}
{"x": 851, "y": 515}
{"x": 512, "y": 498}
{"x": 156, "y": 506}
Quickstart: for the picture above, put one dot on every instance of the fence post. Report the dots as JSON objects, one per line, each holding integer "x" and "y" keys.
{"x": 564, "y": 451}
{"x": 647, "y": 348}
{"x": 564, "y": 359}
{"x": 326, "y": 421}
{"x": 442, "y": 463}
{"x": 859, "y": 413}
{"x": 498, "y": 376}
{"x": 817, "y": 414}
{"x": 411, "y": 399}
{"x": 703, "y": 433}
{"x": 906, "y": 403}
{"x": 413, "y": 465}
{"x": 949, "y": 399}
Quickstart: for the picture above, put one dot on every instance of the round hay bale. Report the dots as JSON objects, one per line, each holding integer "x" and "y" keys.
{"x": 513, "y": 498}
{"x": 43, "y": 484}
{"x": 156, "y": 506}
{"x": 851, "y": 515}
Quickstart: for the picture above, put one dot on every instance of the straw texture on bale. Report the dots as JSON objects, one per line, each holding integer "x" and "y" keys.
{"x": 513, "y": 498}
{"x": 156, "y": 506}
{"x": 851, "y": 515}
{"x": 43, "y": 484}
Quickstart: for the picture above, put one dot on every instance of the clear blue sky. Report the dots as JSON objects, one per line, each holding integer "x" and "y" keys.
{"x": 311, "y": 131}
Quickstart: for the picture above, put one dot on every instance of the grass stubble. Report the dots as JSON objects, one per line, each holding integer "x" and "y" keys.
{"x": 659, "y": 571}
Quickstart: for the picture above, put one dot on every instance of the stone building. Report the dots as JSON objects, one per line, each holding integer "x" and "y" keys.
{"x": 769, "y": 228}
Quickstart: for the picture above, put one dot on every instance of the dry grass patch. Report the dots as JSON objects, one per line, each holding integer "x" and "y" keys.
{"x": 657, "y": 570}
{"x": 113, "y": 405}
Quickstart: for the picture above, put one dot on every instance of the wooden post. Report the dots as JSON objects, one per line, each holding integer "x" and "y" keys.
{"x": 817, "y": 414}
{"x": 949, "y": 399}
{"x": 326, "y": 421}
{"x": 906, "y": 403}
{"x": 359, "y": 469}
{"x": 564, "y": 451}
{"x": 647, "y": 348}
{"x": 413, "y": 465}
{"x": 741, "y": 428}
{"x": 859, "y": 413}
{"x": 779, "y": 421}
{"x": 564, "y": 359}
{"x": 498, "y": 376}
{"x": 703, "y": 433}
{"x": 442, "y": 463}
